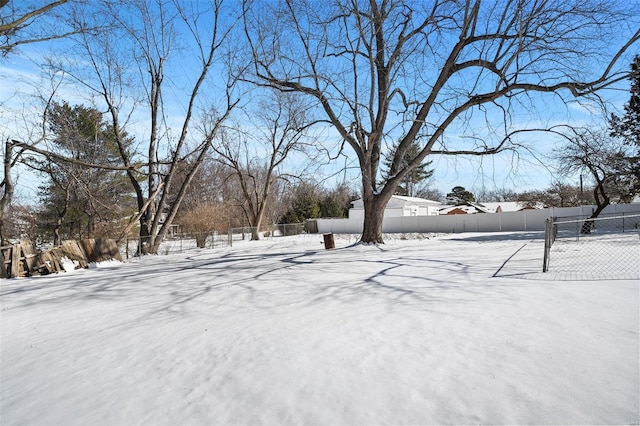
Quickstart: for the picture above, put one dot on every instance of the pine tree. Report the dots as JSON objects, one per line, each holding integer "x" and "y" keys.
{"x": 459, "y": 195}
{"x": 628, "y": 126}
{"x": 78, "y": 201}
{"x": 305, "y": 204}
{"x": 408, "y": 184}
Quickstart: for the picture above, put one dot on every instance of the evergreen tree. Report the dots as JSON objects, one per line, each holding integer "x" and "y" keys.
{"x": 408, "y": 184}
{"x": 337, "y": 201}
{"x": 80, "y": 201}
{"x": 460, "y": 195}
{"x": 305, "y": 204}
{"x": 308, "y": 201}
{"x": 329, "y": 207}
{"x": 628, "y": 126}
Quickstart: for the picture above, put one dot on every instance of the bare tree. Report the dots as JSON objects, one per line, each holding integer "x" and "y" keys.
{"x": 127, "y": 69}
{"x": 497, "y": 195}
{"x": 256, "y": 155}
{"x": 608, "y": 161}
{"x": 35, "y": 132}
{"x": 213, "y": 188}
{"x": 559, "y": 194}
{"x": 423, "y": 71}
{"x": 21, "y": 222}
{"x": 21, "y": 24}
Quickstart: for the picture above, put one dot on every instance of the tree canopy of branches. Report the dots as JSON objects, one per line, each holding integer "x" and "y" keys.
{"x": 558, "y": 195}
{"x": 497, "y": 195}
{"x": 256, "y": 155}
{"x": 606, "y": 160}
{"x": 416, "y": 71}
{"x": 127, "y": 70}
{"x": 23, "y": 23}
{"x": 214, "y": 189}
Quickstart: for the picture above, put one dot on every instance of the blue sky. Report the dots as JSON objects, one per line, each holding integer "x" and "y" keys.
{"x": 20, "y": 74}
{"x": 519, "y": 171}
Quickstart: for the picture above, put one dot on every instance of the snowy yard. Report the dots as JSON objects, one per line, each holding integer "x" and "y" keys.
{"x": 432, "y": 331}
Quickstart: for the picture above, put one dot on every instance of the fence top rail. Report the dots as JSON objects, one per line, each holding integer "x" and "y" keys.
{"x": 626, "y": 216}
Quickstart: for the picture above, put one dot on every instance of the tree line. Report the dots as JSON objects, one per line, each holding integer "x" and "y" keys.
{"x": 259, "y": 94}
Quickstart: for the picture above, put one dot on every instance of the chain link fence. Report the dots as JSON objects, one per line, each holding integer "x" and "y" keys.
{"x": 605, "y": 247}
{"x": 267, "y": 232}
{"x": 181, "y": 242}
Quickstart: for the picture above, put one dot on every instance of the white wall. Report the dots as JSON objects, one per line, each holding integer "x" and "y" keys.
{"x": 526, "y": 220}
{"x": 358, "y": 213}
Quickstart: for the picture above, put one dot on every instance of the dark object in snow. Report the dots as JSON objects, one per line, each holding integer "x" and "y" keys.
{"x": 328, "y": 241}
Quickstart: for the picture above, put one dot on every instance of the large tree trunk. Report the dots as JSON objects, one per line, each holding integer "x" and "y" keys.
{"x": 144, "y": 237}
{"x": 374, "y": 206}
{"x": 201, "y": 239}
{"x": 7, "y": 197}
{"x": 57, "y": 239}
{"x": 602, "y": 201}
{"x": 56, "y": 233}
{"x": 262, "y": 206}
{"x": 255, "y": 230}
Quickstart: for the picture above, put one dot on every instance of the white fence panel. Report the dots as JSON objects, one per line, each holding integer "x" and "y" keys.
{"x": 525, "y": 220}
{"x": 340, "y": 226}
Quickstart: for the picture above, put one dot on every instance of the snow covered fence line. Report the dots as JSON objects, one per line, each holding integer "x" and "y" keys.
{"x": 606, "y": 246}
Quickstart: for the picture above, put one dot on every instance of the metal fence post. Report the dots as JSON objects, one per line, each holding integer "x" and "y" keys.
{"x": 548, "y": 229}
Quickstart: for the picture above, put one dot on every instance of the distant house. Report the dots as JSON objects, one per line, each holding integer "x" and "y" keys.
{"x": 466, "y": 207}
{"x": 469, "y": 207}
{"x": 512, "y": 206}
{"x": 400, "y": 206}
{"x": 455, "y": 210}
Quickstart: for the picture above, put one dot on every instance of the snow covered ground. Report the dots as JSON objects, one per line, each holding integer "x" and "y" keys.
{"x": 453, "y": 329}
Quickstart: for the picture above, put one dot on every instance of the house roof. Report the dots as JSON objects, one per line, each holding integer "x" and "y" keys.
{"x": 492, "y": 207}
{"x": 457, "y": 210}
{"x": 510, "y": 206}
{"x": 401, "y": 201}
{"x": 416, "y": 200}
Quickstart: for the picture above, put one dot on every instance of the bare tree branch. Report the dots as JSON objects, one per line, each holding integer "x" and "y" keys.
{"x": 409, "y": 71}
